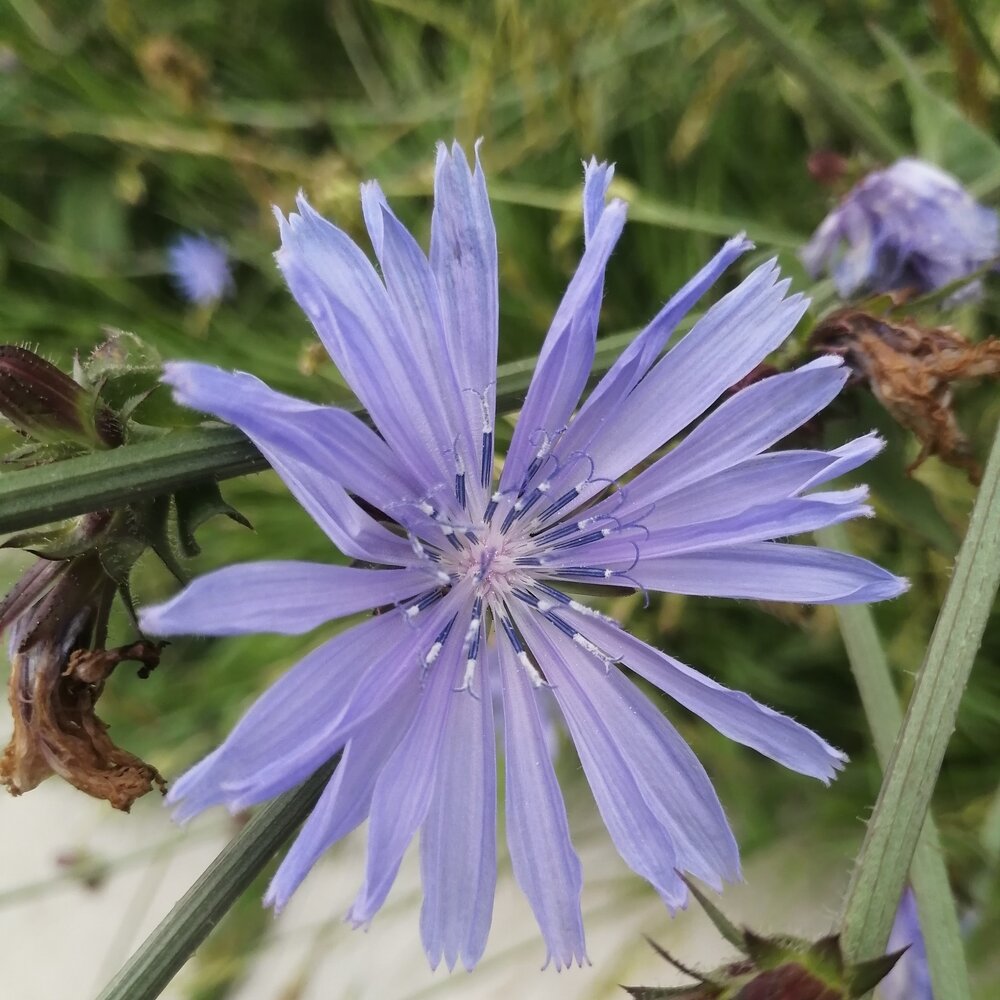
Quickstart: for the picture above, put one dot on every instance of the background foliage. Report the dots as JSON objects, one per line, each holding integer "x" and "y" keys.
{"x": 123, "y": 124}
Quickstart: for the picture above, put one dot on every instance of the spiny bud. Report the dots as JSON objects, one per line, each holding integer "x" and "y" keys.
{"x": 47, "y": 405}
{"x": 771, "y": 968}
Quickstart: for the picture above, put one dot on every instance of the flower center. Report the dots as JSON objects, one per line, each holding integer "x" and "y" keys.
{"x": 487, "y": 564}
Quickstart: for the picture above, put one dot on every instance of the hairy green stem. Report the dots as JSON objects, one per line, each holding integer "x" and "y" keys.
{"x": 895, "y": 827}
{"x": 928, "y": 873}
{"x": 185, "y": 927}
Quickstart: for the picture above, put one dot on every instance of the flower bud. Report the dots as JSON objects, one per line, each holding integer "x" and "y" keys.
{"x": 772, "y": 967}
{"x": 46, "y": 404}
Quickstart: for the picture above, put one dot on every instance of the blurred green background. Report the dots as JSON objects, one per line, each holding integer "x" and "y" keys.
{"x": 124, "y": 124}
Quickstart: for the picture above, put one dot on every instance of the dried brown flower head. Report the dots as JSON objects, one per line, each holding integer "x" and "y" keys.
{"x": 910, "y": 369}
{"x": 57, "y": 616}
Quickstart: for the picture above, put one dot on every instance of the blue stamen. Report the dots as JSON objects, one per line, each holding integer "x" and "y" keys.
{"x": 554, "y": 508}
{"x": 486, "y": 470}
{"x": 572, "y": 543}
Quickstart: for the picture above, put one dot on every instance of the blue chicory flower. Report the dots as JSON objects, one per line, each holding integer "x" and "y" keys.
{"x": 405, "y": 693}
{"x": 909, "y": 227}
{"x": 910, "y": 978}
{"x": 200, "y": 269}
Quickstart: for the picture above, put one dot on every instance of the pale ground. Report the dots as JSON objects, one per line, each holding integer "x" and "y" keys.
{"x": 63, "y": 941}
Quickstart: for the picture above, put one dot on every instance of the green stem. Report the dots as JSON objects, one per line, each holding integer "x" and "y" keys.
{"x": 759, "y": 21}
{"x": 911, "y": 773}
{"x": 928, "y": 873}
{"x": 185, "y": 927}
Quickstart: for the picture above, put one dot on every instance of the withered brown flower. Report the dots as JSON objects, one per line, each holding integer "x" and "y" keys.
{"x": 911, "y": 369}
{"x": 57, "y": 618}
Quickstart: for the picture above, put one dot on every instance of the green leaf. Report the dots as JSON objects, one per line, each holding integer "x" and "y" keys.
{"x": 168, "y": 947}
{"x": 943, "y": 134}
{"x": 719, "y": 920}
{"x": 895, "y": 827}
{"x": 866, "y": 976}
{"x": 195, "y": 505}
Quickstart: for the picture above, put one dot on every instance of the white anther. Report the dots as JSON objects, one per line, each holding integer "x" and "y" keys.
{"x": 545, "y": 605}
{"x": 432, "y": 654}
{"x": 497, "y": 497}
{"x": 470, "y": 632}
{"x": 530, "y": 669}
{"x": 608, "y": 574}
{"x": 442, "y": 576}
{"x": 518, "y": 505}
{"x": 585, "y": 643}
{"x": 544, "y": 487}
{"x": 605, "y": 532}
{"x": 425, "y": 508}
{"x": 591, "y": 612}
{"x": 412, "y": 612}
{"x": 470, "y": 672}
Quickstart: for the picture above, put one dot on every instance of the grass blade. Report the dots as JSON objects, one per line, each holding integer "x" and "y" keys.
{"x": 759, "y": 21}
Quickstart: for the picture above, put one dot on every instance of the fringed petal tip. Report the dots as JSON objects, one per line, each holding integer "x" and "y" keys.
{"x": 739, "y": 244}
{"x": 838, "y": 760}
{"x": 276, "y": 898}
{"x": 579, "y": 958}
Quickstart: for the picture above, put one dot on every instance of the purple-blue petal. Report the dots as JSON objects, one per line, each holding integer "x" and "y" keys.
{"x": 339, "y": 290}
{"x": 458, "y": 849}
{"x": 733, "y": 713}
{"x": 463, "y": 256}
{"x": 743, "y": 426}
{"x": 773, "y": 571}
{"x": 292, "y": 727}
{"x": 568, "y": 352}
{"x": 284, "y": 597}
{"x": 271, "y": 421}
{"x": 345, "y": 802}
{"x": 910, "y": 978}
{"x": 656, "y": 765}
{"x": 545, "y": 865}
{"x": 405, "y": 787}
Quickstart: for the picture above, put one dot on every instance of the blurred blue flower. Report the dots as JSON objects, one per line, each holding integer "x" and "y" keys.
{"x": 200, "y": 269}
{"x": 406, "y": 694}
{"x": 909, "y": 227}
{"x": 910, "y": 979}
